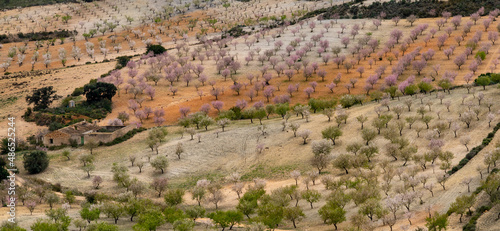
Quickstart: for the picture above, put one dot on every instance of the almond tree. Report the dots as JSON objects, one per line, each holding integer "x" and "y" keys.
{"x": 460, "y": 60}
{"x": 159, "y": 185}
{"x": 321, "y": 150}
{"x": 304, "y": 134}
{"x": 465, "y": 140}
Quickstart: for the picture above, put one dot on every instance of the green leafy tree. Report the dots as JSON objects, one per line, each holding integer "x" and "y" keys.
{"x": 173, "y": 197}
{"x": 183, "y": 225}
{"x": 3, "y": 172}
{"x": 134, "y": 207}
{"x": 90, "y": 214}
{"x": 198, "y": 194}
{"x": 293, "y": 214}
{"x": 343, "y": 162}
{"x": 332, "y": 213}
{"x": 425, "y": 87}
{"x": 41, "y": 98}
{"x": 437, "y": 222}
{"x": 120, "y": 175}
{"x": 102, "y": 226}
{"x": 260, "y": 114}
{"x": 35, "y": 161}
{"x": 372, "y": 208}
{"x": 234, "y": 217}
{"x": 173, "y": 214}
{"x": 331, "y": 133}
{"x": 160, "y": 163}
{"x": 195, "y": 212}
{"x": 270, "y": 212}
{"x": 368, "y": 135}
{"x": 113, "y": 210}
{"x": 9, "y": 226}
{"x": 4, "y": 149}
{"x": 156, "y": 49}
{"x": 44, "y": 225}
{"x": 483, "y": 81}
{"x": 311, "y": 196}
{"x": 249, "y": 201}
{"x": 59, "y": 217}
{"x": 149, "y": 220}
{"x": 281, "y": 109}
{"x": 98, "y": 91}
{"x": 51, "y": 199}
{"x": 220, "y": 218}
{"x": 156, "y": 136}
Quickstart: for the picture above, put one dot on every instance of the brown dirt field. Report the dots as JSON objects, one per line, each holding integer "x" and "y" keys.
{"x": 187, "y": 96}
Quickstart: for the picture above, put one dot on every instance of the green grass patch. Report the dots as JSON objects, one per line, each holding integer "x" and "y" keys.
{"x": 190, "y": 181}
{"x": 265, "y": 171}
{"x": 8, "y": 101}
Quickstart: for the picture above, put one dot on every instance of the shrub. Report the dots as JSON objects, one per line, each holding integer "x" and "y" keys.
{"x": 55, "y": 126}
{"x": 78, "y": 91}
{"x": 3, "y": 172}
{"x": 122, "y": 61}
{"x": 348, "y": 101}
{"x": 480, "y": 54}
{"x": 125, "y": 137}
{"x": 235, "y": 32}
{"x": 156, "y": 49}
{"x": 96, "y": 92}
{"x": 36, "y": 161}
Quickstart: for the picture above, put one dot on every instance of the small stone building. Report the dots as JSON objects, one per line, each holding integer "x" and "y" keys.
{"x": 83, "y": 132}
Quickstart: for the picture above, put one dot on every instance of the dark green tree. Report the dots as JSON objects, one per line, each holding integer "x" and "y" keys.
{"x": 35, "y": 161}
{"x": 332, "y": 213}
{"x": 98, "y": 91}
{"x": 102, "y": 226}
{"x": 42, "y": 98}
{"x": 483, "y": 81}
{"x": 173, "y": 197}
{"x": 437, "y": 222}
{"x": 149, "y": 220}
{"x": 89, "y": 214}
{"x": 156, "y": 49}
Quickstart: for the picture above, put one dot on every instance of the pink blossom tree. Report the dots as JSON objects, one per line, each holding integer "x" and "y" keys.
{"x": 150, "y": 91}
{"x": 237, "y": 88}
{"x": 241, "y": 104}
{"x": 460, "y": 60}
{"x": 360, "y": 70}
{"x": 391, "y": 80}
{"x": 309, "y": 91}
{"x": 268, "y": 92}
{"x": 331, "y": 86}
{"x": 419, "y": 65}
{"x": 205, "y": 108}
{"x": 184, "y": 111}
{"x": 396, "y": 35}
{"x": 133, "y": 105}
{"x": 216, "y": 92}
{"x": 217, "y": 105}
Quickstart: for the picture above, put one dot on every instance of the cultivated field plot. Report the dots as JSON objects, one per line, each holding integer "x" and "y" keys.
{"x": 252, "y": 115}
